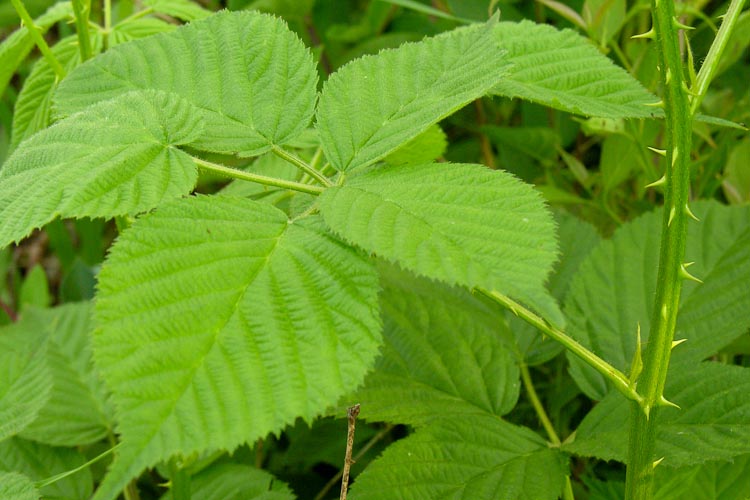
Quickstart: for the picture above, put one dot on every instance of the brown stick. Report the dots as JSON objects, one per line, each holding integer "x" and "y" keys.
{"x": 351, "y": 415}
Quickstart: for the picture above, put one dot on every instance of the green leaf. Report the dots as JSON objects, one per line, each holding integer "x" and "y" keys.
{"x": 461, "y": 224}
{"x": 77, "y": 412}
{"x": 25, "y": 380}
{"x": 33, "y": 109}
{"x": 34, "y": 289}
{"x": 427, "y": 146}
{"x": 237, "y": 482}
{"x": 712, "y": 423}
{"x": 181, "y": 9}
{"x": 709, "y": 481}
{"x": 15, "y": 486}
{"x": 252, "y": 79}
{"x": 476, "y": 456}
{"x": 577, "y": 239}
{"x": 375, "y": 104}
{"x": 116, "y": 158}
{"x": 138, "y": 28}
{"x": 235, "y": 321}
{"x": 443, "y": 356}
{"x": 563, "y": 70}
{"x": 39, "y": 462}
{"x": 17, "y": 46}
{"x": 613, "y": 291}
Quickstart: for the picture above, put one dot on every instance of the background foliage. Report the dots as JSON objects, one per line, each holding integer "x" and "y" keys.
{"x": 272, "y": 329}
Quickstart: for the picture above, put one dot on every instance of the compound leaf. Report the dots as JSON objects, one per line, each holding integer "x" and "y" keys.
{"x": 462, "y": 224}
{"x": 18, "y": 44}
{"x": 25, "y": 379}
{"x": 39, "y": 462}
{"x": 118, "y": 157}
{"x": 612, "y": 291}
{"x": 712, "y": 423}
{"x": 443, "y": 355}
{"x": 251, "y": 77}
{"x": 76, "y": 412}
{"x": 563, "y": 70}
{"x": 220, "y": 320}
{"x": 15, "y": 486}
{"x": 476, "y": 456}
{"x": 237, "y": 482}
{"x": 377, "y": 103}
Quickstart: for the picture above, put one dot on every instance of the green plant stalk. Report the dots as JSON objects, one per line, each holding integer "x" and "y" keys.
{"x": 179, "y": 481}
{"x": 107, "y": 23}
{"x": 81, "y": 9}
{"x": 618, "y": 379}
{"x": 676, "y": 184}
{"x": 297, "y": 162}
{"x": 711, "y": 63}
{"x": 39, "y": 40}
{"x": 57, "y": 477}
{"x": 260, "y": 179}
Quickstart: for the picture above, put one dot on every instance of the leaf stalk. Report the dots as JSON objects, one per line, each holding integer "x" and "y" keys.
{"x": 260, "y": 179}
{"x": 39, "y": 40}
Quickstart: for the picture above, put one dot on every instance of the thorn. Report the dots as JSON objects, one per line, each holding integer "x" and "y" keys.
{"x": 649, "y": 34}
{"x": 675, "y": 154}
{"x": 657, "y": 462}
{"x": 691, "y": 214}
{"x": 675, "y": 343}
{"x": 660, "y": 182}
{"x": 637, "y": 365}
{"x": 657, "y": 104}
{"x": 686, "y": 275}
{"x": 664, "y": 311}
{"x": 647, "y": 410}
{"x": 679, "y": 25}
{"x": 665, "y": 402}
{"x": 661, "y": 152}
{"x": 668, "y": 76}
{"x": 671, "y": 216}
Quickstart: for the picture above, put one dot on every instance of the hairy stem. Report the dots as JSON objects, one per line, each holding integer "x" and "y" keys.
{"x": 618, "y": 379}
{"x": 81, "y": 10}
{"x": 39, "y": 40}
{"x": 260, "y": 179}
{"x": 297, "y": 162}
{"x": 180, "y": 481}
{"x": 650, "y": 385}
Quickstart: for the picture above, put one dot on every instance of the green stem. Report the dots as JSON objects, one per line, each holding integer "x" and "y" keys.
{"x": 297, "y": 162}
{"x": 63, "y": 475}
{"x": 180, "y": 481}
{"x": 107, "y": 23}
{"x": 537, "y": 404}
{"x": 711, "y": 63}
{"x": 260, "y": 179}
{"x": 81, "y": 9}
{"x": 650, "y": 385}
{"x": 618, "y": 379}
{"x": 39, "y": 40}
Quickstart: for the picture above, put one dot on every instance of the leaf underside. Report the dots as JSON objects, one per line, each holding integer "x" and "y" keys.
{"x": 251, "y": 77}
{"x": 221, "y": 321}
{"x": 458, "y": 223}
{"x": 375, "y": 104}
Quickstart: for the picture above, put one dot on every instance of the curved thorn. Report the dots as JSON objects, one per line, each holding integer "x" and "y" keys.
{"x": 675, "y": 343}
{"x": 665, "y": 402}
{"x": 651, "y": 34}
{"x": 659, "y": 182}
{"x": 679, "y": 25}
{"x": 691, "y": 214}
{"x": 657, "y": 104}
{"x": 675, "y": 155}
{"x": 686, "y": 275}
{"x": 657, "y": 462}
{"x": 661, "y": 152}
{"x": 672, "y": 212}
